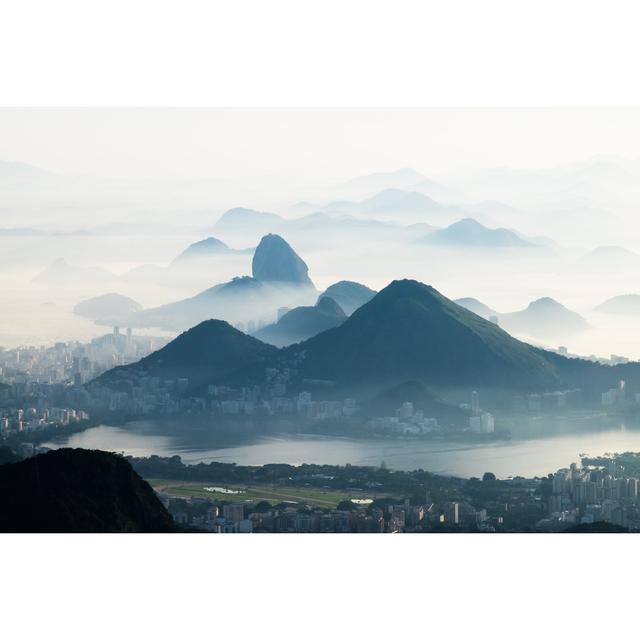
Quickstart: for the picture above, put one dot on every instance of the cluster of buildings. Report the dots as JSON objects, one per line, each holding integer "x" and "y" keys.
{"x": 13, "y": 421}
{"x": 614, "y": 397}
{"x": 406, "y": 422}
{"x": 587, "y": 494}
{"x": 550, "y": 401}
{"x": 151, "y": 395}
{"x": 42, "y": 387}
{"x": 612, "y": 360}
{"x": 73, "y": 361}
{"x": 243, "y": 517}
{"x": 481, "y": 422}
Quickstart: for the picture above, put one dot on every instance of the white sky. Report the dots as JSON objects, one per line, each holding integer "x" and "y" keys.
{"x": 308, "y": 143}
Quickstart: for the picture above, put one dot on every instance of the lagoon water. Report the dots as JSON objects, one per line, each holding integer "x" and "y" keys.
{"x": 532, "y": 451}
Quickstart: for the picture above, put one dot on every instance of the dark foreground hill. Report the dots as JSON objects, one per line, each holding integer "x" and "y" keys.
{"x": 78, "y": 491}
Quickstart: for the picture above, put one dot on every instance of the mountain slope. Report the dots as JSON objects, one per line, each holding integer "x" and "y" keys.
{"x": 349, "y": 295}
{"x": 61, "y": 272}
{"x": 241, "y": 219}
{"x": 609, "y": 258}
{"x": 280, "y": 278}
{"x": 230, "y": 300}
{"x": 398, "y": 201}
{"x": 544, "y": 317}
{"x": 275, "y": 261}
{"x": 78, "y": 491}
{"x": 390, "y": 201}
{"x": 399, "y": 179}
{"x": 628, "y": 305}
{"x": 469, "y": 232}
{"x": 409, "y": 331}
{"x": 204, "y": 354}
{"x": 109, "y": 309}
{"x": 479, "y": 308}
{"x": 201, "y": 250}
{"x": 302, "y": 323}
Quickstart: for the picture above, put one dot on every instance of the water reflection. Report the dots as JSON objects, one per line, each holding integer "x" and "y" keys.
{"x": 556, "y": 444}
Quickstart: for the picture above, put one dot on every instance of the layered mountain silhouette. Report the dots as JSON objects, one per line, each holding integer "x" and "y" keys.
{"x": 390, "y": 201}
{"x": 625, "y": 305}
{"x": 400, "y": 179}
{"x": 479, "y": 308}
{"x": 203, "y": 249}
{"x": 78, "y": 491}
{"x": 275, "y": 261}
{"x": 543, "y": 318}
{"x": 108, "y": 309}
{"x": 302, "y": 323}
{"x": 407, "y": 332}
{"x": 204, "y": 354}
{"x": 609, "y": 258}
{"x": 240, "y": 219}
{"x": 469, "y": 232}
{"x": 280, "y": 278}
{"x": 349, "y": 295}
{"x": 410, "y": 331}
{"x": 61, "y": 272}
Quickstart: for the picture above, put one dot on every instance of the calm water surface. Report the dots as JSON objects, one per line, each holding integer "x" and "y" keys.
{"x": 532, "y": 451}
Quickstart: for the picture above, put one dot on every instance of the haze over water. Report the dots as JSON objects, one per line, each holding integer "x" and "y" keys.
{"x": 528, "y": 456}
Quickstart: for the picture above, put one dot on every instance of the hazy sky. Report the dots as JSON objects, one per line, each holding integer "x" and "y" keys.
{"x": 308, "y": 143}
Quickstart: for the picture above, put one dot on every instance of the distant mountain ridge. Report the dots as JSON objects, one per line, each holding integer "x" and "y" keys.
{"x": 60, "y": 271}
{"x": 203, "y": 249}
{"x": 544, "y": 317}
{"x": 479, "y": 308}
{"x": 302, "y": 323}
{"x": 108, "y": 309}
{"x": 628, "y": 304}
{"x": 469, "y": 232}
{"x": 349, "y": 295}
{"x": 407, "y": 332}
{"x": 390, "y": 201}
{"x": 280, "y": 278}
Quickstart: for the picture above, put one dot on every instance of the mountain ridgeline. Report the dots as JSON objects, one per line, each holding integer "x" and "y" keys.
{"x": 407, "y": 332}
{"x": 279, "y": 277}
{"x": 275, "y": 261}
{"x": 207, "y": 353}
{"x": 302, "y": 323}
{"x": 410, "y": 331}
{"x": 349, "y": 295}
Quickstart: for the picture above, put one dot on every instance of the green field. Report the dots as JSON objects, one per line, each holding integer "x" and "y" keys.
{"x": 271, "y": 493}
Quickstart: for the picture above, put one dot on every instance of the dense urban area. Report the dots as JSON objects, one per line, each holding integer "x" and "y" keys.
{"x": 224, "y": 498}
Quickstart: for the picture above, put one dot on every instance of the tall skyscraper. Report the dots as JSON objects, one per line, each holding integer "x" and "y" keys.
{"x": 475, "y": 402}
